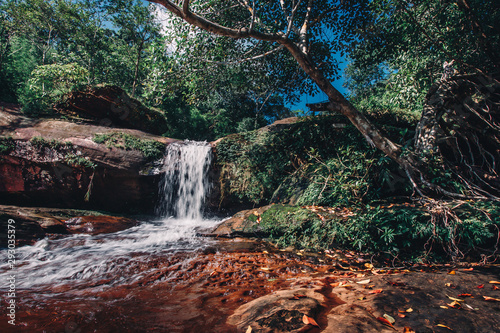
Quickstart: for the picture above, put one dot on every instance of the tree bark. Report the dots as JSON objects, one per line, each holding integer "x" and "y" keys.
{"x": 137, "y": 62}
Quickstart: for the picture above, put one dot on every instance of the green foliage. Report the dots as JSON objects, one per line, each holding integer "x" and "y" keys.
{"x": 79, "y": 160}
{"x": 405, "y": 231}
{"x": 150, "y": 149}
{"x": 306, "y": 162}
{"x": 42, "y": 143}
{"x": 6, "y": 145}
{"x": 400, "y": 50}
{"x": 48, "y": 83}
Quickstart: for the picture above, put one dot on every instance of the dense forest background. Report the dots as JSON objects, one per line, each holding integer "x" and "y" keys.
{"x": 235, "y": 67}
{"x": 208, "y": 87}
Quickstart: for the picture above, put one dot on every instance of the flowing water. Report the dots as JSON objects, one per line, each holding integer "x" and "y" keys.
{"x": 80, "y": 258}
{"x": 155, "y": 277}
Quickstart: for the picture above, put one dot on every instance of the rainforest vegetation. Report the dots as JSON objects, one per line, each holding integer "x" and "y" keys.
{"x": 421, "y": 118}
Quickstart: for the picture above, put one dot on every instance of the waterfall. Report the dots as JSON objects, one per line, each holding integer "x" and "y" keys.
{"x": 185, "y": 184}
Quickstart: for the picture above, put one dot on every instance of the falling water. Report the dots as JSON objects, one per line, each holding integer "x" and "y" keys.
{"x": 80, "y": 259}
{"x": 185, "y": 183}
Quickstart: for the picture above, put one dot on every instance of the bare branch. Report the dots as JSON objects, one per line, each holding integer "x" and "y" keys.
{"x": 185, "y": 6}
{"x": 247, "y": 59}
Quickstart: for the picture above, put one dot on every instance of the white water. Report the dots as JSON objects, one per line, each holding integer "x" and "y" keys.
{"x": 82, "y": 258}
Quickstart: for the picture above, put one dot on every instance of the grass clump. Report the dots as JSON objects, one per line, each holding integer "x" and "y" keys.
{"x": 150, "y": 149}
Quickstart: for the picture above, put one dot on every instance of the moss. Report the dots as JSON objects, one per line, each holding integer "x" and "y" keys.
{"x": 41, "y": 143}
{"x": 150, "y": 149}
{"x": 6, "y": 145}
{"x": 78, "y": 160}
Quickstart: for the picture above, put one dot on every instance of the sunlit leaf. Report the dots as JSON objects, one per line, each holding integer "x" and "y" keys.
{"x": 408, "y": 330}
{"x": 452, "y": 272}
{"x": 376, "y": 291}
{"x": 249, "y": 329}
{"x": 441, "y": 325}
{"x": 309, "y": 321}
{"x": 385, "y": 321}
{"x": 363, "y": 281}
{"x": 455, "y": 299}
{"x": 389, "y": 318}
{"x": 487, "y": 298}
{"x": 481, "y": 286}
{"x": 494, "y": 282}
{"x": 465, "y": 295}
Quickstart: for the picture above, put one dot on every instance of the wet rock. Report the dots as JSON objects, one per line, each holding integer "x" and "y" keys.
{"x": 34, "y": 223}
{"x": 244, "y": 223}
{"x": 95, "y": 225}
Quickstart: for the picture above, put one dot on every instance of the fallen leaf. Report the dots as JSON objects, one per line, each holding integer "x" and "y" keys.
{"x": 488, "y": 298}
{"x": 309, "y": 321}
{"x": 494, "y": 282}
{"x": 468, "y": 269}
{"x": 397, "y": 284}
{"x": 362, "y": 298}
{"x": 441, "y": 325}
{"x": 452, "y": 272}
{"x": 455, "y": 305}
{"x": 465, "y": 295}
{"x": 408, "y": 330}
{"x": 385, "y": 321}
{"x": 495, "y": 288}
{"x": 296, "y": 297}
{"x": 400, "y": 315}
{"x": 389, "y": 318}
{"x": 336, "y": 284}
{"x": 455, "y": 299}
{"x": 376, "y": 291}
{"x": 249, "y": 329}
{"x": 481, "y": 286}
{"x": 363, "y": 281}
{"x": 443, "y": 307}
{"x": 369, "y": 266}
{"x": 409, "y": 310}
{"x": 447, "y": 284}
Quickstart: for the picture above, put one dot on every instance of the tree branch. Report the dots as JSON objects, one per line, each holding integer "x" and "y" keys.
{"x": 247, "y": 59}
{"x": 216, "y": 28}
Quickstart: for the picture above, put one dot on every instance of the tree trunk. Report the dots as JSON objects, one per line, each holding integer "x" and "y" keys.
{"x": 137, "y": 62}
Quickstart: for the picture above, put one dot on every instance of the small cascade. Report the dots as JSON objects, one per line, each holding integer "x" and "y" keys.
{"x": 185, "y": 184}
{"x": 117, "y": 257}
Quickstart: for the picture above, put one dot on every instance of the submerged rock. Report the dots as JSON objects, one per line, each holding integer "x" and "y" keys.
{"x": 34, "y": 223}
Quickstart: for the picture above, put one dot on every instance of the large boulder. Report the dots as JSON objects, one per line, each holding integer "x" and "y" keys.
{"x": 111, "y": 106}
{"x": 62, "y": 164}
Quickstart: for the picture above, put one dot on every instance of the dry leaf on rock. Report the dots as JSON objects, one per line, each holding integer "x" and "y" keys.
{"x": 389, "y": 318}
{"x": 488, "y": 298}
{"x": 309, "y": 321}
{"x": 441, "y": 325}
{"x": 385, "y": 321}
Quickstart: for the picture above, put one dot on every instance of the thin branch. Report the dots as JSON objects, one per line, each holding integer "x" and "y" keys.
{"x": 247, "y": 59}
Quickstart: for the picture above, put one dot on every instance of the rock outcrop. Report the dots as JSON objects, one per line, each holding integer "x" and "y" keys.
{"x": 111, "y": 106}
{"x": 56, "y": 163}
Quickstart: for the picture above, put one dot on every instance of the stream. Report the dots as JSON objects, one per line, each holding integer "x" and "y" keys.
{"x": 157, "y": 276}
